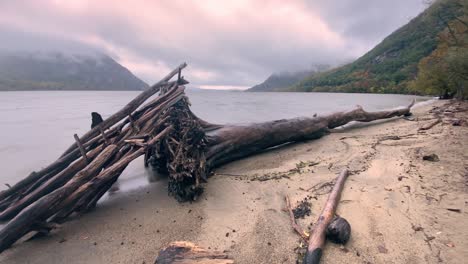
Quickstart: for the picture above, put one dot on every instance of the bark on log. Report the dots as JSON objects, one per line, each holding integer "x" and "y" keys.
{"x": 92, "y": 187}
{"x": 82, "y": 187}
{"x": 81, "y": 148}
{"x": 231, "y": 142}
{"x": 317, "y": 238}
{"x": 127, "y": 110}
{"x": 50, "y": 185}
{"x": 43, "y": 208}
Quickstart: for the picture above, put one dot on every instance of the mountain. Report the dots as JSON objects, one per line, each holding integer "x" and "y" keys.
{"x": 28, "y": 70}
{"x": 389, "y": 66}
{"x": 280, "y": 81}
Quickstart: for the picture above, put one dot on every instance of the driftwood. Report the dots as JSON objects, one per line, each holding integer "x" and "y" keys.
{"x": 299, "y": 230}
{"x": 37, "y": 213}
{"x": 318, "y": 235}
{"x": 172, "y": 140}
{"x": 183, "y": 252}
{"x": 430, "y": 125}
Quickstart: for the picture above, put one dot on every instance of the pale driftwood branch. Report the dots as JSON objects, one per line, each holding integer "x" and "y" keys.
{"x": 317, "y": 237}
{"x": 184, "y": 252}
{"x": 81, "y": 148}
{"x": 103, "y": 135}
{"x": 430, "y": 125}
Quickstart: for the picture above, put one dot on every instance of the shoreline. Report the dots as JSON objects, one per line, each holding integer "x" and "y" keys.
{"x": 395, "y": 202}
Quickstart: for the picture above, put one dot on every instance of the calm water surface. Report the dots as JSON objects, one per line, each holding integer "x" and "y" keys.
{"x": 36, "y": 127}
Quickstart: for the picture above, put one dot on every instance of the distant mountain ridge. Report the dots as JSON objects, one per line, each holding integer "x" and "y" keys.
{"x": 389, "y": 66}
{"x": 283, "y": 80}
{"x": 278, "y": 81}
{"x": 30, "y": 71}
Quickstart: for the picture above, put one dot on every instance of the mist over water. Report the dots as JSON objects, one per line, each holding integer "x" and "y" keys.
{"x": 38, "y": 126}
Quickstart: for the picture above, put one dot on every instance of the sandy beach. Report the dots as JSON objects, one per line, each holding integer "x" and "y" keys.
{"x": 402, "y": 209}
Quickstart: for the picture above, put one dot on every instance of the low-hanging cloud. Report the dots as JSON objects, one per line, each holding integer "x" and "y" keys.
{"x": 226, "y": 43}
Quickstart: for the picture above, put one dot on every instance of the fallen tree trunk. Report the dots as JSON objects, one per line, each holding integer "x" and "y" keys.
{"x": 230, "y": 142}
{"x": 172, "y": 139}
{"x": 317, "y": 238}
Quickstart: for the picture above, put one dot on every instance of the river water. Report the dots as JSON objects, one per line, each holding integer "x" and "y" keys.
{"x": 36, "y": 127}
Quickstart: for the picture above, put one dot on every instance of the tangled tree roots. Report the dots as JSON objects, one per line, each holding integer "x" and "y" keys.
{"x": 182, "y": 153}
{"x": 172, "y": 139}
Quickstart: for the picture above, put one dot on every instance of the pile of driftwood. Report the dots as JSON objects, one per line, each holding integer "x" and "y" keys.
{"x": 172, "y": 140}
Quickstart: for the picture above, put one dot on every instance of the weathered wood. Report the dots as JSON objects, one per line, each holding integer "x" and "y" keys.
{"x": 132, "y": 123}
{"x": 231, "y": 142}
{"x": 103, "y": 135}
{"x": 184, "y": 252}
{"x": 92, "y": 187}
{"x": 430, "y": 125}
{"x": 43, "y": 208}
{"x": 57, "y": 165}
{"x": 317, "y": 238}
{"x": 53, "y": 183}
{"x": 294, "y": 224}
{"x": 81, "y": 148}
{"x": 127, "y": 109}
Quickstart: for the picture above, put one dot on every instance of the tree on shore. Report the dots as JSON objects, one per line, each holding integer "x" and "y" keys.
{"x": 445, "y": 71}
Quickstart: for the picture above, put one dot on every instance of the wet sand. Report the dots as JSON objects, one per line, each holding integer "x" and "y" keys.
{"x": 395, "y": 202}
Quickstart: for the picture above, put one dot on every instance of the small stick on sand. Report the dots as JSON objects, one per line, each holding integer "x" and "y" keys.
{"x": 294, "y": 225}
{"x": 184, "y": 252}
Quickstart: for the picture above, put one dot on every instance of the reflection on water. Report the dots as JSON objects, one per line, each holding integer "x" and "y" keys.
{"x": 38, "y": 126}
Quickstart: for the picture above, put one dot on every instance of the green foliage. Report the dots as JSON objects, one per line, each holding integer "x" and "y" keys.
{"x": 445, "y": 71}
{"x": 389, "y": 66}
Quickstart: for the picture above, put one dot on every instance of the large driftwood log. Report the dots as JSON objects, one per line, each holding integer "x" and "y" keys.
{"x": 172, "y": 139}
{"x": 230, "y": 142}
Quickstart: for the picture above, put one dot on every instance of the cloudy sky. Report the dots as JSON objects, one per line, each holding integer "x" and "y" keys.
{"x": 230, "y": 44}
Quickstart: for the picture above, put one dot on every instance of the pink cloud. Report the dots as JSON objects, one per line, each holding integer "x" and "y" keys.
{"x": 239, "y": 42}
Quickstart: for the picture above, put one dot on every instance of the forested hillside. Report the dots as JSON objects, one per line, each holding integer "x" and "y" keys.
{"x": 58, "y": 71}
{"x": 392, "y": 64}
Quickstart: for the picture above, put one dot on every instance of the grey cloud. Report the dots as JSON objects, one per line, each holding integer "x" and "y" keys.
{"x": 235, "y": 58}
{"x": 17, "y": 40}
{"x": 368, "y": 21}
